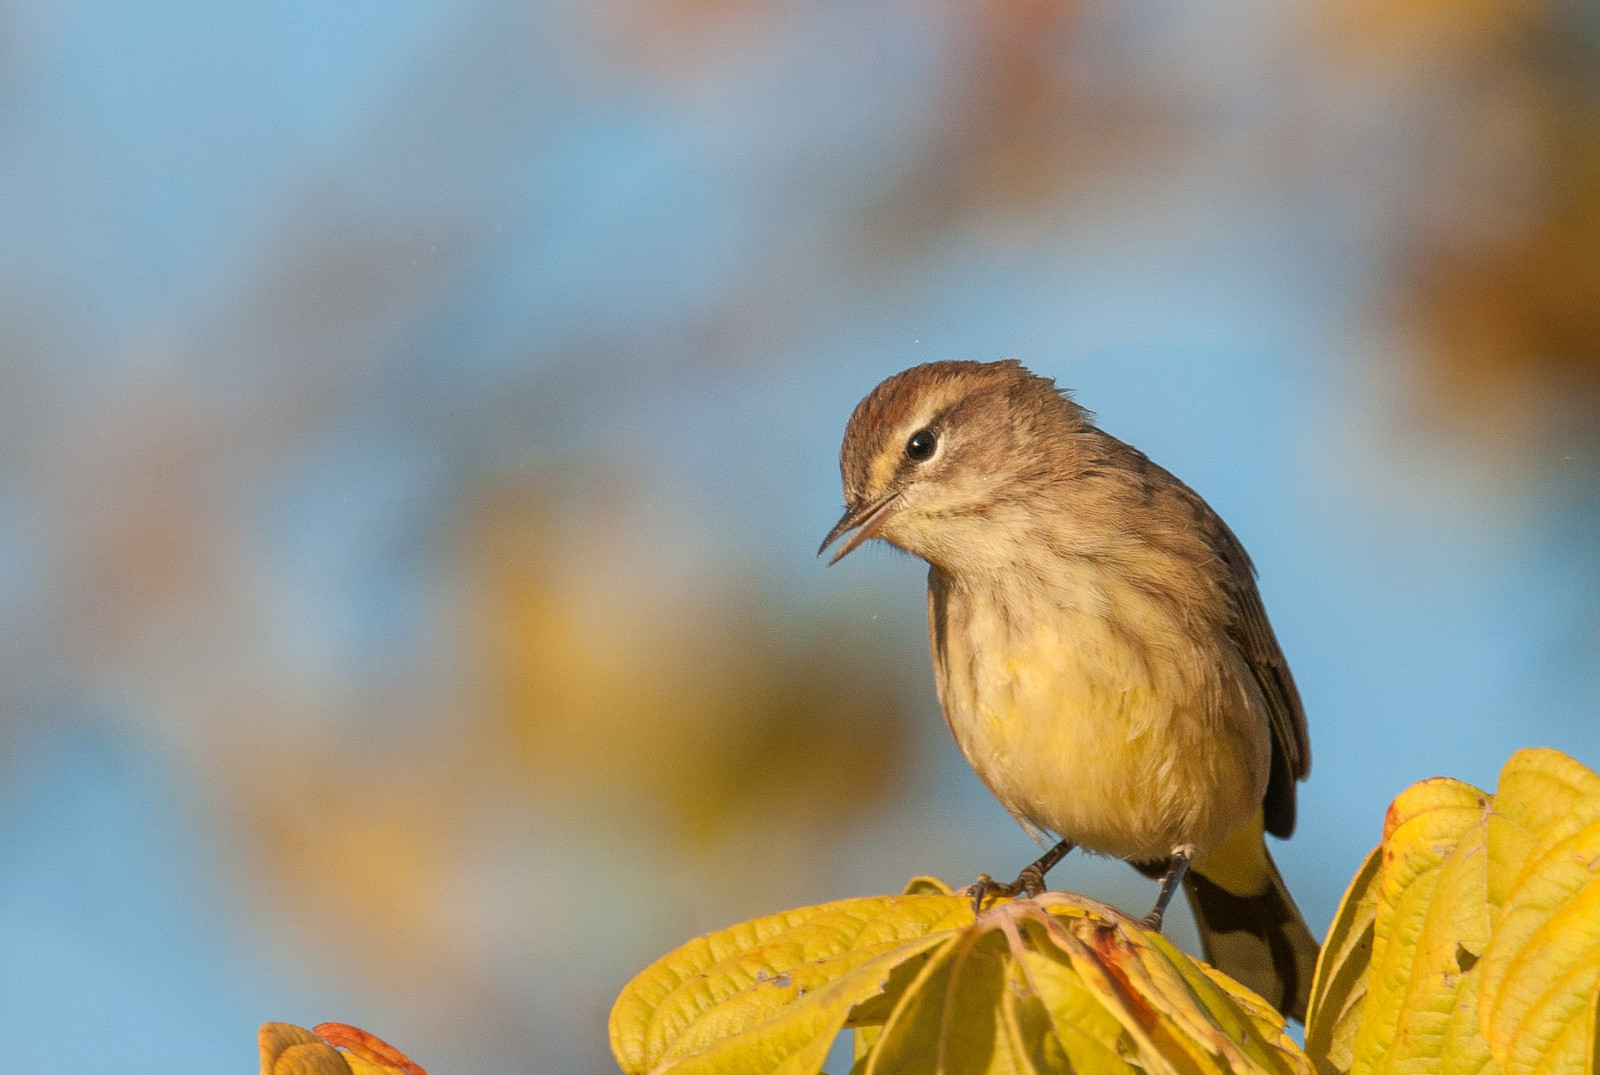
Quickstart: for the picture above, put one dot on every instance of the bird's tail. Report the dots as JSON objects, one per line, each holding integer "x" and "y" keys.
{"x": 1252, "y": 931}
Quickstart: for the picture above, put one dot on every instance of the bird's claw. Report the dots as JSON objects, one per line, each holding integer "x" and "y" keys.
{"x": 986, "y": 887}
{"x": 1030, "y": 883}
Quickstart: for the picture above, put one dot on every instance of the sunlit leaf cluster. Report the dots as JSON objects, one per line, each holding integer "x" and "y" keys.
{"x": 1056, "y": 983}
{"x": 1469, "y": 942}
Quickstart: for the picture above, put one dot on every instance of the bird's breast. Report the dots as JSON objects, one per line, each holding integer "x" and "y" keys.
{"x": 1093, "y": 711}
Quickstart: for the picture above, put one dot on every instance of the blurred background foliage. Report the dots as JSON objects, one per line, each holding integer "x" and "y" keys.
{"x": 419, "y": 418}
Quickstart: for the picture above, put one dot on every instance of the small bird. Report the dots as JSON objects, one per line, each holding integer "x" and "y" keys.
{"x": 1101, "y": 651}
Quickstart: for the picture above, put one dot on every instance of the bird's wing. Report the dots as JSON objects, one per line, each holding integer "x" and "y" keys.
{"x": 1252, "y": 634}
{"x": 1247, "y": 628}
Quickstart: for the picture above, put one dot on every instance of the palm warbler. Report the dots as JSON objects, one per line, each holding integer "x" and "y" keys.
{"x": 1101, "y": 651}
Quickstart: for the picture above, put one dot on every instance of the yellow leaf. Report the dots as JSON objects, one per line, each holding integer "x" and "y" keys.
{"x": 1222, "y": 1019}
{"x": 1060, "y": 983}
{"x": 1453, "y": 941}
{"x": 866, "y": 1037}
{"x": 927, "y": 1032}
{"x": 1469, "y": 943}
{"x": 1264, "y": 1018}
{"x": 274, "y": 1039}
{"x": 926, "y": 886}
{"x": 1097, "y": 1041}
{"x": 1542, "y": 963}
{"x": 1339, "y": 987}
{"x": 1415, "y": 978}
{"x": 1546, "y": 792}
{"x": 775, "y": 991}
{"x": 315, "y": 1058}
{"x": 361, "y": 1066}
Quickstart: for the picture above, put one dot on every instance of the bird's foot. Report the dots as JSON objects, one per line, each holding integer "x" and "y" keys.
{"x": 1030, "y": 882}
{"x": 986, "y": 887}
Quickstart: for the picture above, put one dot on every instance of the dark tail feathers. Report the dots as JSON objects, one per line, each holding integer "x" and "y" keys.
{"x": 1259, "y": 940}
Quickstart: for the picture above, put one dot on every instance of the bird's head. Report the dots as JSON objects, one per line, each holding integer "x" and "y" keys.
{"x": 937, "y": 454}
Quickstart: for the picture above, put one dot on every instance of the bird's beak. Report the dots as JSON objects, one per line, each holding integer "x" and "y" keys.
{"x": 866, "y": 523}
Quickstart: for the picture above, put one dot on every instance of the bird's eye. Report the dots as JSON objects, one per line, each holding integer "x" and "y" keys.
{"x": 919, "y": 449}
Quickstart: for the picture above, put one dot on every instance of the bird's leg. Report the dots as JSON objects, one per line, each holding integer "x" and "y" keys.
{"x": 1030, "y": 881}
{"x": 1177, "y": 866}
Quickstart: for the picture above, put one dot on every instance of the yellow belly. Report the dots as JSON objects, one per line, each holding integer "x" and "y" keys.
{"x": 1101, "y": 724}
